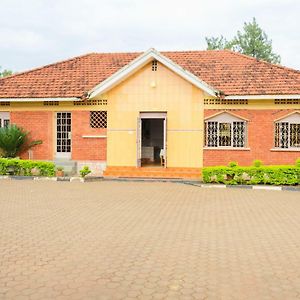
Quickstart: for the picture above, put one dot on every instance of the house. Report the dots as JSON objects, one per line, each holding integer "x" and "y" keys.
{"x": 157, "y": 114}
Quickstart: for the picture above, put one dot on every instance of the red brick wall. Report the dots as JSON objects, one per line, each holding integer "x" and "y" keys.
{"x": 86, "y": 148}
{"x": 260, "y": 141}
{"x": 40, "y": 126}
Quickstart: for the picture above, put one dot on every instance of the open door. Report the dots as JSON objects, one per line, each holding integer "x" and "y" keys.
{"x": 139, "y": 142}
{"x": 165, "y": 142}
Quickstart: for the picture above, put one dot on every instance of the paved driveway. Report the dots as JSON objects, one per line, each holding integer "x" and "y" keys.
{"x": 125, "y": 240}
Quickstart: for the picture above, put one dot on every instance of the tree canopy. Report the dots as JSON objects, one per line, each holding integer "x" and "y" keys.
{"x": 252, "y": 41}
{"x": 5, "y": 73}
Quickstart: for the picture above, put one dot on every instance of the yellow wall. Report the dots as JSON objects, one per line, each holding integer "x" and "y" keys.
{"x": 184, "y": 106}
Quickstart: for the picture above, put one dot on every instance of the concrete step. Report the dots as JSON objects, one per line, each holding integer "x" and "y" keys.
{"x": 171, "y": 173}
{"x": 70, "y": 167}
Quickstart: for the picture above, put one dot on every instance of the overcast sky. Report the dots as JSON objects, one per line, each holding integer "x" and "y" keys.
{"x": 38, "y": 32}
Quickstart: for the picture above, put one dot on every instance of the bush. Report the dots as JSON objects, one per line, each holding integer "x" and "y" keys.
{"x": 274, "y": 175}
{"x": 15, "y": 140}
{"x": 257, "y": 163}
{"x": 297, "y": 163}
{"x": 85, "y": 171}
{"x": 233, "y": 164}
{"x": 15, "y": 166}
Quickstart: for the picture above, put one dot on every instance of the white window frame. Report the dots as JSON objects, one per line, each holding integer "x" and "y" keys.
{"x": 225, "y": 117}
{"x": 4, "y": 116}
{"x": 293, "y": 118}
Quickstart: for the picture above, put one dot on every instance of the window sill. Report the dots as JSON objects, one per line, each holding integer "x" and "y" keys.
{"x": 94, "y": 136}
{"x": 227, "y": 148}
{"x": 285, "y": 150}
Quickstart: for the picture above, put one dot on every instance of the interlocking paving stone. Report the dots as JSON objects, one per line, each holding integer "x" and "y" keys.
{"x": 147, "y": 240}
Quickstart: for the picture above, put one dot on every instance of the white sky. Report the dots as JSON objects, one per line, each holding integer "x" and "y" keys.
{"x": 38, "y": 32}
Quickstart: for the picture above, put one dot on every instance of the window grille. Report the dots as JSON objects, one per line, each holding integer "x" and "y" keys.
{"x": 225, "y": 102}
{"x": 51, "y": 103}
{"x": 225, "y": 134}
{"x": 98, "y": 119}
{"x": 91, "y": 102}
{"x": 154, "y": 65}
{"x": 238, "y": 137}
{"x": 4, "y": 103}
{"x": 211, "y": 134}
{"x": 287, "y": 135}
{"x": 287, "y": 101}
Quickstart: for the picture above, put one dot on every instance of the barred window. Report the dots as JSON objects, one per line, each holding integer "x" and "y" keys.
{"x": 287, "y": 132}
{"x": 98, "y": 119}
{"x": 225, "y": 130}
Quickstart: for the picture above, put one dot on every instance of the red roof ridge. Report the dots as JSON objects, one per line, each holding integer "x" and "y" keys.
{"x": 262, "y": 61}
{"x": 48, "y": 65}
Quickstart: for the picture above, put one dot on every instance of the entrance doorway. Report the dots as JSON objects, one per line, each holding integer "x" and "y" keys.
{"x": 152, "y": 140}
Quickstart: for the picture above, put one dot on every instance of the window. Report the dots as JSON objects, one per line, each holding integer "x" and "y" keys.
{"x": 4, "y": 119}
{"x": 287, "y": 132}
{"x": 98, "y": 119}
{"x": 225, "y": 130}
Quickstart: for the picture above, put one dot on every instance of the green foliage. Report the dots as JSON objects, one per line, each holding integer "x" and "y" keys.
{"x": 252, "y": 41}
{"x": 297, "y": 162}
{"x": 14, "y": 140}
{"x": 274, "y": 175}
{"x": 85, "y": 171}
{"x": 15, "y": 166}
{"x": 232, "y": 164}
{"x": 59, "y": 168}
{"x": 5, "y": 73}
{"x": 215, "y": 43}
{"x": 257, "y": 163}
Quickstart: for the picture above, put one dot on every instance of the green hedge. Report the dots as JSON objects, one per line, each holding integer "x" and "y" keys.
{"x": 274, "y": 175}
{"x": 15, "y": 166}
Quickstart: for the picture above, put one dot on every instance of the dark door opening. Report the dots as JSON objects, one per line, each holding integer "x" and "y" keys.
{"x": 152, "y": 142}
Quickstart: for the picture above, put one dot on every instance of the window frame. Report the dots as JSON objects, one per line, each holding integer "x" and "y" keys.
{"x": 226, "y": 118}
{"x": 292, "y": 119}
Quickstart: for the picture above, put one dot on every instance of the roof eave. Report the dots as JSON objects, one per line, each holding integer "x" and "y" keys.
{"x": 262, "y": 97}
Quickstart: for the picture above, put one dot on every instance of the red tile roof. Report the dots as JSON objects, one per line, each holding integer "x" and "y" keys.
{"x": 226, "y": 71}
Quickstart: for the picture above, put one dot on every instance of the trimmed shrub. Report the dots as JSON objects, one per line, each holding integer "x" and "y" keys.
{"x": 85, "y": 171}
{"x": 274, "y": 175}
{"x": 297, "y": 163}
{"x": 233, "y": 164}
{"x": 257, "y": 163}
{"x": 15, "y": 166}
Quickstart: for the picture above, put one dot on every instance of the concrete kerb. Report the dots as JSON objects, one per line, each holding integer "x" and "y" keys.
{"x": 182, "y": 181}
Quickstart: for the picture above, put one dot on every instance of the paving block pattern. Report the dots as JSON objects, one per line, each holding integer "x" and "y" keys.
{"x": 147, "y": 240}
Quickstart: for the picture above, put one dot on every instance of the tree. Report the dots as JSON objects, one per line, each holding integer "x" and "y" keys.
{"x": 14, "y": 140}
{"x": 252, "y": 41}
{"x": 5, "y": 73}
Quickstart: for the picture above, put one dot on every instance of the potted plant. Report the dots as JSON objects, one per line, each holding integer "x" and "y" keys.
{"x": 85, "y": 171}
{"x": 59, "y": 172}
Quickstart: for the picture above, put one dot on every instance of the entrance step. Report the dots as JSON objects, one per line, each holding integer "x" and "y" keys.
{"x": 153, "y": 172}
{"x": 70, "y": 167}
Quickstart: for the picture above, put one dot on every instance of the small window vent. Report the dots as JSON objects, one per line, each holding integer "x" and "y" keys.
{"x": 225, "y": 102}
{"x": 154, "y": 65}
{"x": 3, "y": 103}
{"x": 91, "y": 102}
{"x": 98, "y": 119}
{"x": 51, "y": 103}
{"x": 287, "y": 101}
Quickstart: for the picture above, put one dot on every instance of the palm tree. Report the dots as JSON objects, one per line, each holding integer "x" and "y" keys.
{"x": 14, "y": 140}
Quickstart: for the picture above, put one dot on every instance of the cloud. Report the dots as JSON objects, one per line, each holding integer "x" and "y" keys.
{"x": 36, "y": 32}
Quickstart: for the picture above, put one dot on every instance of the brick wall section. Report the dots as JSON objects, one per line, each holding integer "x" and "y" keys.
{"x": 86, "y": 148}
{"x": 260, "y": 140}
{"x": 40, "y": 126}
